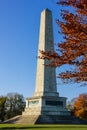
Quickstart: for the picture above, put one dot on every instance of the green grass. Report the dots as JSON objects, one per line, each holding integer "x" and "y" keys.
{"x": 42, "y": 127}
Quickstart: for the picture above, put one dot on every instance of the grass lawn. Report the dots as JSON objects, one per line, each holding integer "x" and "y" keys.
{"x": 42, "y": 127}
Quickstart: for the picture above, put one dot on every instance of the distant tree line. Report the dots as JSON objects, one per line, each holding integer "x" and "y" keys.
{"x": 11, "y": 105}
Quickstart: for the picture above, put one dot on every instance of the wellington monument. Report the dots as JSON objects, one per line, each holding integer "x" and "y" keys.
{"x": 46, "y": 106}
{"x": 46, "y": 100}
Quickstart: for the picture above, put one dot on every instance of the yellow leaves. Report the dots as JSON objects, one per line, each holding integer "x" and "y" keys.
{"x": 79, "y": 113}
{"x": 80, "y": 106}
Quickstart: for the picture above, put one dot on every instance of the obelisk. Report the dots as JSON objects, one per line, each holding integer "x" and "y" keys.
{"x": 46, "y": 100}
{"x": 45, "y": 76}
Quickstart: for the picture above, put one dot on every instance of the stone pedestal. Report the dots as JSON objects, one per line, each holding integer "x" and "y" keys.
{"x": 46, "y": 105}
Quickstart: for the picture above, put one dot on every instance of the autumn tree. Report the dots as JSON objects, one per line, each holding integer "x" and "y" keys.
{"x": 73, "y": 48}
{"x": 80, "y": 107}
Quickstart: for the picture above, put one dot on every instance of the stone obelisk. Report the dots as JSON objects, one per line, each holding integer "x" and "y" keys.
{"x": 45, "y": 76}
{"x": 46, "y": 100}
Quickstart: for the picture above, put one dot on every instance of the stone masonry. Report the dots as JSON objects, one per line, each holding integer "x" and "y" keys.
{"x": 46, "y": 100}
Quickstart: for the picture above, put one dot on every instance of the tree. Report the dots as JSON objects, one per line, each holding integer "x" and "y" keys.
{"x": 73, "y": 49}
{"x": 80, "y": 107}
{"x": 70, "y": 105}
{"x": 15, "y": 104}
{"x": 2, "y": 107}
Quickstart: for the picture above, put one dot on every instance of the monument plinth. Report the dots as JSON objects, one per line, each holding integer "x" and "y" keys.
{"x": 46, "y": 100}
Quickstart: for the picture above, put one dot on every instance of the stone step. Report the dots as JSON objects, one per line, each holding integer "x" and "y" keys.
{"x": 22, "y": 119}
{"x": 45, "y": 119}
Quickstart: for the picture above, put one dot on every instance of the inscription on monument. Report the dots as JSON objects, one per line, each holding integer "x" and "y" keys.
{"x": 54, "y": 103}
{"x": 32, "y": 103}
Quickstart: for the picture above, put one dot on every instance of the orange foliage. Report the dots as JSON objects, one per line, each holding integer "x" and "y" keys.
{"x": 80, "y": 106}
{"x": 73, "y": 49}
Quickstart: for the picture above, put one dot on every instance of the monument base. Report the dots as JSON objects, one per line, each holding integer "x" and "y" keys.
{"x": 46, "y": 105}
{"x": 45, "y": 119}
{"x": 46, "y": 110}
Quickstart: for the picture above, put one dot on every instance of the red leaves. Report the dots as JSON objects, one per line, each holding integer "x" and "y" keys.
{"x": 75, "y": 40}
{"x": 80, "y": 5}
{"x": 74, "y": 45}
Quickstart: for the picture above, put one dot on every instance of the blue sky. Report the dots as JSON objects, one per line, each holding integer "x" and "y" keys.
{"x": 19, "y": 34}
